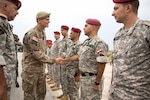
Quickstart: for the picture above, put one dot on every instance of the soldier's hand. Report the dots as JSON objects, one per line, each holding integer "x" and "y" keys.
{"x": 96, "y": 87}
{"x": 59, "y": 60}
{"x": 77, "y": 78}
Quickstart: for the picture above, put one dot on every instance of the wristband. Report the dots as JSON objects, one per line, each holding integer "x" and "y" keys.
{"x": 96, "y": 83}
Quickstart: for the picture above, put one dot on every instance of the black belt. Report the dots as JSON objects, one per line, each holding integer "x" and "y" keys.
{"x": 87, "y": 74}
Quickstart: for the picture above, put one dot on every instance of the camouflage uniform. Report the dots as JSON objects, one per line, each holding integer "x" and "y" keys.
{"x": 56, "y": 68}
{"x": 49, "y": 66}
{"x": 7, "y": 52}
{"x": 88, "y": 63}
{"x": 131, "y": 73}
{"x": 71, "y": 70}
{"x": 65, "y": 43}
{"x": 16, "y": 39}
{"x": 34, "y": 59}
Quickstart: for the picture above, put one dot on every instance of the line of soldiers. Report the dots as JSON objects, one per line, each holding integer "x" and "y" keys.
{"x": 69, "y": 74}
{"x": 130, "y": 79}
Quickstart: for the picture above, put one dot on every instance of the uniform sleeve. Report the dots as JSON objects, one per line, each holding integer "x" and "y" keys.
{"x": 147, "y": 37}
{"x": 63, "y": 47}
{"x": 35, "y": 47}
{"x": 2, "y": 47}
{"x": 101, "y": 52}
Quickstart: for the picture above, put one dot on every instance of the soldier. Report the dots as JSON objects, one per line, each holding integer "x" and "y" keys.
{"x": 17, "y": 43}
{"x": 35, "y": 58}
{"x": 65, "y": 43}
{"x": 55, "y": 53}
{"x": 92, "y": 57}
{"x": 49, "y": 46}
{"x": 8, "y": 11}
{"x": 131, "y": 56}
{"x": 72, "y": 67}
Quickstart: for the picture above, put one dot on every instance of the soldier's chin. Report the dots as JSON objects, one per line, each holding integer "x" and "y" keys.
{"x": 10, "y": 19}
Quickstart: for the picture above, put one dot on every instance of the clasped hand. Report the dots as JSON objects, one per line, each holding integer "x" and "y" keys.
{"x": 61, "y": 60}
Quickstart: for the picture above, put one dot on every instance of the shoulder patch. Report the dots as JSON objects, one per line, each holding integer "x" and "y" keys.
{"x": 98, "y": 39}
{"x": 1, "y": 32}
{"x": 147, "y": 22}
{"x": 35, "y": 38}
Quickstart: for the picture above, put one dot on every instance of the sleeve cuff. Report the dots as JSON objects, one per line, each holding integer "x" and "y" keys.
{"x": 102, "y": 59}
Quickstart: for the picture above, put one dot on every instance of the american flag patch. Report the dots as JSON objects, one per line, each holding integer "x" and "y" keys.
{"x": 35, "y": 38}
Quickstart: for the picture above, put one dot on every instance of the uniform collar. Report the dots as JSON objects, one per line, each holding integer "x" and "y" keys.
{"x": 2, "y": 15}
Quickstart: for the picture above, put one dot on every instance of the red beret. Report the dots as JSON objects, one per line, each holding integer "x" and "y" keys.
{"x": 49, "y": 41}
{"x": 65, "y": 27}
{"x": 123, "y": 1}
{"x": 93, "y": 22}
{"x": 16, "y": 2}
{"x": 77, "y": 30}
{"x": 57, "y": 33}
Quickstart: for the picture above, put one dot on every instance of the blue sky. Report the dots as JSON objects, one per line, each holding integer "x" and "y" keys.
{"x": 73, "y": 13}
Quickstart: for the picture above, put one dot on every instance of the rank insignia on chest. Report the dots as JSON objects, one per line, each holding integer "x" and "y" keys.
{"x": 90, "y": 45}
{"x": 35, "y": 38}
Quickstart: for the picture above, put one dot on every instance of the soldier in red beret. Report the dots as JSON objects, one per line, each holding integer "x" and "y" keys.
{"x": 57, "y": 33}
{"x": 49, "y": 42}
{"x": 65, "y": 27}
{"x": 15, "y": 2}
{"x": 93, "y": 22}
{"x": 92, "y": 58}
{"x": 8, "y": 11}
{"x": 55, "y": 73}
{"x": 131, "y": 63}
{"x": 65, "y": 44}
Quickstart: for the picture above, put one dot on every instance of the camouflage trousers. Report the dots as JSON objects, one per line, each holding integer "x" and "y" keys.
{"x": 71, "y": 85}
{"x": 57, "y": 74}
{"x": 33, "y": 85}
{"x": 50, "y": 68}
{"x": 10, "y": 76}
{"x": 63, "y": 79}
{"x": 87, "y": 91}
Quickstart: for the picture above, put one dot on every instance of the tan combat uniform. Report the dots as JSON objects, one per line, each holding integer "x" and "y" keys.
{"x": 34, "y": 59}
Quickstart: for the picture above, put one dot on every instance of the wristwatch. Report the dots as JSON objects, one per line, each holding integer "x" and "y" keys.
{"x": 96, "y": 83}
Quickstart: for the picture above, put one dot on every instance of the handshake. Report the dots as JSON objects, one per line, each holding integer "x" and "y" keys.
{"x": 61, "y": 60}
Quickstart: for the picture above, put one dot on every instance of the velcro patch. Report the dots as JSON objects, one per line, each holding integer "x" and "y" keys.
{"x": 35, "y": 38}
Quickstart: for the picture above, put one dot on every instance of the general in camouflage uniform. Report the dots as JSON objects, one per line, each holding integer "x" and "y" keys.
{"x": 8, "y": 11}
{"x": 72, "y": 68}
{"x": 92, "y": 59}
{"x": 34, "y": 59}
{"x": 131, "y": 71}
{"x": 65, "y": 43}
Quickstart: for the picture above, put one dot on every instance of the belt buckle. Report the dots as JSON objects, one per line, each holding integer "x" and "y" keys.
{"x": 86, "y": 74}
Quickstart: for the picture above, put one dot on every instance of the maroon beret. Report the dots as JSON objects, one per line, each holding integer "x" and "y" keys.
{"x": 49, "y": 41}
{"x": 93, "y": 22}
{"x": 16, "y": 2}
{"x": 57, "y": 33}
{"x": 123, "y": 1}
{"x": 77, "y": 30}
{"x": 65, "y": 27}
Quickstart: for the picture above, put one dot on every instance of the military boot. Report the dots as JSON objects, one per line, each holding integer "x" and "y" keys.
{"x": 55, "y": 88}
{"x": 64, "y": 97}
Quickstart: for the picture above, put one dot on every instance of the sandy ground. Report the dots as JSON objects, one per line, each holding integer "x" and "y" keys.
{"x": 17, "y": 93}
